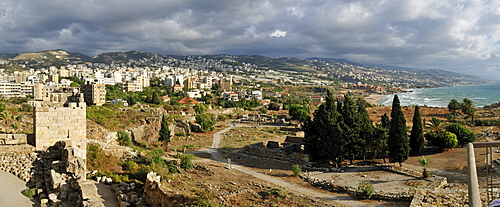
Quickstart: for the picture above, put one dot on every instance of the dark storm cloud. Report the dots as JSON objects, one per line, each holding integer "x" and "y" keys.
{"x": 455, "y": 35}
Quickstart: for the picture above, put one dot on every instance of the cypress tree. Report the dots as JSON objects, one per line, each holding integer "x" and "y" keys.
{"x": 381, "y": 135}
{"x": 385, "y": 121}
{"x": 398, "y": 138}
{"x": 351, "y": 128}
{"x": 366, "y": 129}
{"x": 417, "y": 133}
{"x": 323, "y": 135}
{"x": 164, "y": 132}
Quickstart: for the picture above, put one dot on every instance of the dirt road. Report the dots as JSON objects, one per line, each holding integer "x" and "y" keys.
{"x": 214, "y": 151}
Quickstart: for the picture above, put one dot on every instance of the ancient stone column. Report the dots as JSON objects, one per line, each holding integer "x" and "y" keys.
{"x": 474, "y": 196}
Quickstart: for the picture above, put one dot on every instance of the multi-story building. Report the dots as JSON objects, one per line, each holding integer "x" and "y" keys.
{"x": 94, "y": 93}
{"x": 15, "y": 89}
{"x": 230, "y": 96}
{"x": 225, "y": 84}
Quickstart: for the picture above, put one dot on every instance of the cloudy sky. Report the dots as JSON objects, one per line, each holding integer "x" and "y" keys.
{"x": 461, "y": 35}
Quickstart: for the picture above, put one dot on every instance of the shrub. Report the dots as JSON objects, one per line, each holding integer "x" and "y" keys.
{"x": 30, "y": 193}
{"x": 26, "y": 107}
{"x": 15, "y": 125}
{"x": 223, "y": 117}
{"x": 464, "y": 134}
{"x": 276, "y": 193}
{"x": 123, "y": 138}
{"x": 97, "y": 159}
{"x": 186, "y": 161}
{"x": 296, "y": 170}
{"x": 172, "y": 168}
{"x": 263, "y": 110}
{"x": 129, "y": 165}
{"x": 366, "y": 189}
{"x": 155, "y": 156}
{"x": 424, "y": 161}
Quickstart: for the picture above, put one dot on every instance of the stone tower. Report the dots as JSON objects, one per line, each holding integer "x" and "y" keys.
{"x": 64, "y": 120}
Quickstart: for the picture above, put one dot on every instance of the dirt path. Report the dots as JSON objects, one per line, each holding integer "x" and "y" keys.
{"x": 10, "y": 191}
{"x": 214, "y": 151}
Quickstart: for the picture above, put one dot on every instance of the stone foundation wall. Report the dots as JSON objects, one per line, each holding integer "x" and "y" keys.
{"x": 260, "y": 151}
{"x": 437, "y": 181}
{"x": 13, "y": 139}
{"x": 353, "y": 190}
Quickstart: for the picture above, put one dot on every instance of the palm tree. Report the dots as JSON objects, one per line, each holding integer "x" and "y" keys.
{"x": 434, "y": 125}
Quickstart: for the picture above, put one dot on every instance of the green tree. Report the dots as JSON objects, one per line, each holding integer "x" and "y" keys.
{"x": 206, "y": 121}
{"x": 454, "y": 106}
{"x": 434, "y": 125}
{"x": 164, "y": 133}
{"x": 263, "y": 110}
{"x": 299, "y": 113}
{"x": 274, "y": 106}
{"x": 132, "y": 99}
{"x": 417, "y": 133}
{"x": 385, "y": 121}
{"x": 113, "y": 92}
{"x": 323, "y": 135}
{"x": 74, "y": 84}
{"x": 398, "y": 138}
{"x": 200, "y": 108}
{"x": 366, "y": 129}
{"x": 464, "y": 134}
{"x": 155, "y": 98}
{"x": 468, "y": 109}
{"x": 350, "y": 127}
{"x": 379, "y": 143}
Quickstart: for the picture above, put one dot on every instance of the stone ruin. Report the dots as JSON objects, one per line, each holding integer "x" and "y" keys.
{"x": 290, "y": 151}
{"x": 53, "y": 159}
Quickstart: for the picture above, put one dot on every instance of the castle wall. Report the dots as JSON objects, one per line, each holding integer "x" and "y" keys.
{"x": 59, "y": 123}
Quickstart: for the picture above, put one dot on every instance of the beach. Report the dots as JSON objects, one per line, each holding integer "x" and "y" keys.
{"x": 10, "y": 191}
{"x": 374, "y": 98}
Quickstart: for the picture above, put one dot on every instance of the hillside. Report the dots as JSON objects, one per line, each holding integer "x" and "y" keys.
{"x": 52, "y": 55}
{"x": 327, "y": 69}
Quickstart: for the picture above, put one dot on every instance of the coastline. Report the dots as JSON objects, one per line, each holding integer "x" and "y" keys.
{"x": 374, "y": 98}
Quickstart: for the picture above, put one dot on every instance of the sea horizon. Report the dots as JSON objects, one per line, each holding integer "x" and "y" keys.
{"x": 481, "y": 95}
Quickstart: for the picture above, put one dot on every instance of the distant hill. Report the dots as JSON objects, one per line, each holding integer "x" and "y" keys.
{"x": 50, "y": 56}
{"x": 324, "y": 68}
{"x": 125, "y": 57}
{"x": 5, "y": 56}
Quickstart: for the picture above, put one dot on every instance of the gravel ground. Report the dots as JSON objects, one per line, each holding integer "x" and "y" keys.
{"x": 10, "y": 191}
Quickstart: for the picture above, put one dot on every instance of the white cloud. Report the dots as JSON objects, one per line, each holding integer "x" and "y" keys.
{"x": 423, "y": 34}
{"x": 278, "y": 33}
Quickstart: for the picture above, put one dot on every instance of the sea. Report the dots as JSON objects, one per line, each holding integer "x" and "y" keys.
{"x": 480, "y": 95}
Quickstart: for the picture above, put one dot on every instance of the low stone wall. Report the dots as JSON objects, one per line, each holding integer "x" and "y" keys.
{"x": 351, "y": 190}
{"x": 260, "y": 151}
{"x": 440, "y": 197}
{"x": 437, "y": 183}
{"x": 157, "y": 195}
{"x": 13, "y": 139}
